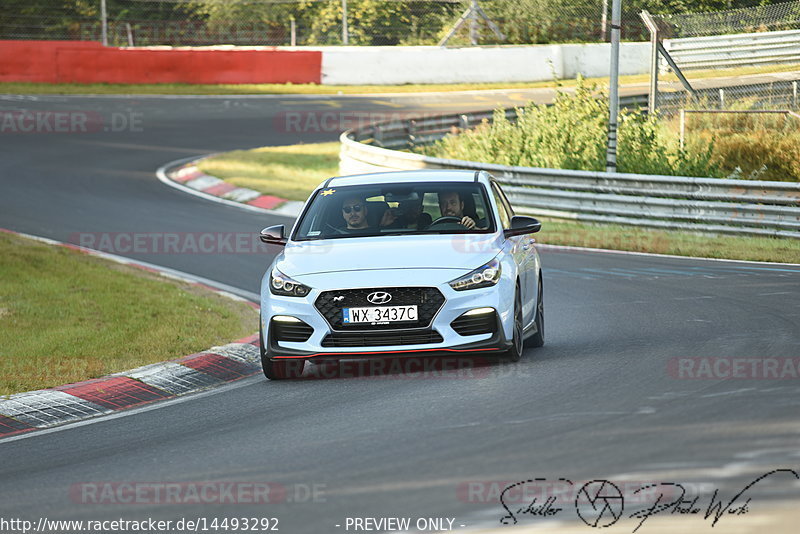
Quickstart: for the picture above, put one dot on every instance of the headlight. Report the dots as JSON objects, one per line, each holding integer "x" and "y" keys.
{"x": 280, "y": 284}
{"x": 485, "y": 276}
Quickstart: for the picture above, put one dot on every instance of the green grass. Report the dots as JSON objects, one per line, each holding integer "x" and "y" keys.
{"x": 249, "y": 89}
{"x": 290, "y": 172}
{"x": 629, "y": 238}
{"x": 315, "y": 89}
{"x": 748, "y": 146}
{"x": 67, "y": 316}
{"x": 293, "y": 172}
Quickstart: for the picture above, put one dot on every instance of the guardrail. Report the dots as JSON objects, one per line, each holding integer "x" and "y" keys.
{"x": 744, "y": 207}
{"x": 744, "y": 49}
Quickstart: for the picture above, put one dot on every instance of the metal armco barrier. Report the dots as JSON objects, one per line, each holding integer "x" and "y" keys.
{"x": 721, "y": 51}
{"x": 744, "y": 207}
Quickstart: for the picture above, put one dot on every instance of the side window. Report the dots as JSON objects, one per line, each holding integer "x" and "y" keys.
{"x": 502, "y": 209}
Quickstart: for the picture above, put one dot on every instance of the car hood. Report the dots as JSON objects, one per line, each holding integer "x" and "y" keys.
{"x": 462, "y": 252}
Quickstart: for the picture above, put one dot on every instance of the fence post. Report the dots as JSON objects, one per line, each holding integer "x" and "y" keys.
{"x": 683, "y": 127}
{"x": 794, "y": 94}
{"x": 613, "y": 93}
{"x": 345, "y": 30}
{"x": 604, "y": 21}
{"x": 104, "y": 22}
{"x": 721, "y": 98}
{"x": 411, "y": 132}
{"x": 293, "y": 32}
{"x": 652, "y": 101}
{"x": 473, "y": 24}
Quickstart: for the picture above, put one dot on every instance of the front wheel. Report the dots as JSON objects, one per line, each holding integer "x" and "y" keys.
{"x": 537, "y": 339}
{"x": 277, "y": 369}
{"x": 514, "y": 354}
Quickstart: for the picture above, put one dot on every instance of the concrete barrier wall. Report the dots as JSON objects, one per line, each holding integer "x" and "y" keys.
{"x": 594, "y": 60}
{"x": 90, "y": 62}
{"x": 431, "y": 64}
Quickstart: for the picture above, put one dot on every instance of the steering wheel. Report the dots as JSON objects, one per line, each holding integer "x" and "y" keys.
{"x": 336, "y": 230}
{"x": 445, "y": 219}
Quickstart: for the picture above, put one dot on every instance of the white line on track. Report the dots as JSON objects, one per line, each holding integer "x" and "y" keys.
{"x": 133, "y": 411}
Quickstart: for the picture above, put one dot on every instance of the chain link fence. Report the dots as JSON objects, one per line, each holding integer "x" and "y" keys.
{"x": 315, "y": 22}
{"x": 757, "y": 46}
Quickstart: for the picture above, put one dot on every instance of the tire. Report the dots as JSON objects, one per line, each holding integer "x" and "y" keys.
{"x": 537, "y": 339}
{"x": 514, "y": 354}
{"x": 281, "y": 369}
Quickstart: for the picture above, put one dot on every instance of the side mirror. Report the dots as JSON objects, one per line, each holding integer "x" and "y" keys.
{"x": 273, "y": 235}
{"x": 521, "y": 225}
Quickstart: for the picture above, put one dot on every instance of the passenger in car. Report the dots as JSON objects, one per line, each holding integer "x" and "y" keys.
{"x": 452, "y": 205}
{"x": 408, "y": 214}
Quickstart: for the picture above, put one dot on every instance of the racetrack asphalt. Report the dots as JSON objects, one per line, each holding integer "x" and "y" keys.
{"x": 618, "y": 392}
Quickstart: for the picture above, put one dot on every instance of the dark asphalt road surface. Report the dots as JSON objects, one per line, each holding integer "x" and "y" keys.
{"x": 611, "y": 395}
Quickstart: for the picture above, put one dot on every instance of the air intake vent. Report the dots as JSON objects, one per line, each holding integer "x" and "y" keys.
{"x": 294, "y": 331}
{"x": 472, "y": 325}
{"x": 380, "y": 339}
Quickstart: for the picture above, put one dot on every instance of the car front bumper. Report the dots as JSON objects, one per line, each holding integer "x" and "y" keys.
{"x": 455, "y": 305}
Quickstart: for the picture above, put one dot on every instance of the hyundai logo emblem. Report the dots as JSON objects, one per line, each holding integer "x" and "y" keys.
{"x": 379, "y": 297}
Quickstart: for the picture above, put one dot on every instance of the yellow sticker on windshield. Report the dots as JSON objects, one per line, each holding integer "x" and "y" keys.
{"x": 328, "y": 192}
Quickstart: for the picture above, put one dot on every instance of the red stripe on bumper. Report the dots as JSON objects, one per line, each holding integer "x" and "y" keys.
{"x": 389, "y": 352}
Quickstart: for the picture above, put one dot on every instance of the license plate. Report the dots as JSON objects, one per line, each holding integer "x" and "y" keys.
{"x": 379, "y": 314}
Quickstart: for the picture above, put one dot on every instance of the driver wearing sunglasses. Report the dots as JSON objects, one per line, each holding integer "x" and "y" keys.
{"x": 354, "y": 211}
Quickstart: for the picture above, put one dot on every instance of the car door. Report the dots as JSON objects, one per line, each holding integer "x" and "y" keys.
{"x": 523, "y": 255}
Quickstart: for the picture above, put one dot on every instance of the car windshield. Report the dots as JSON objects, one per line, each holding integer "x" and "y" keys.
{"x": 391, "y": 209}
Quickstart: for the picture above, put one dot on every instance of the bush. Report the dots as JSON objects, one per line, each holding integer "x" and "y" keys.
{"x": 756, "y": 147}
{"x": 572, "y": 134}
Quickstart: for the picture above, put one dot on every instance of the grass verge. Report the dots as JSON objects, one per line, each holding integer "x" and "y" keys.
{"x": 294, "y": 171}
{"x": 315, "y": 89}
{"x": 67, "y": 316}
{"x": 629, "y": 238}
{"x": 264, "y": 89}
{"x": 290, "y": 172}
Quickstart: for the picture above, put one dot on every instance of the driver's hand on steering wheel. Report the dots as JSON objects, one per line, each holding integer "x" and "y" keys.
{"x": 467, "y": 222}
{"x": 389, "y": 217}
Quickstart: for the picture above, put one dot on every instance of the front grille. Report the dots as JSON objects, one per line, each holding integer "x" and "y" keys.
{"x": 428, "y": 300}
{"x": 471, "y": 325}
{"x": 297, "y": 332}
{"x": 380, "y": 339}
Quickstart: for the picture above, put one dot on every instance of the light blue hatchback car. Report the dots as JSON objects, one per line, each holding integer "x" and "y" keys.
{"x": 413, "y": 263}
